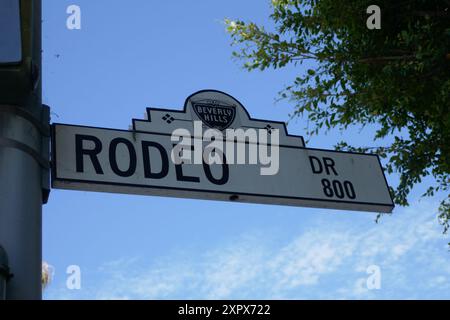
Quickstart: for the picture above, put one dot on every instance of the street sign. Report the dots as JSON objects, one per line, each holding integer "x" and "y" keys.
{"x": 143, "y": 160}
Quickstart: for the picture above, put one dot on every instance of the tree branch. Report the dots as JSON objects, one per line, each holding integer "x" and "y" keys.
{"x": 391, "y": 58}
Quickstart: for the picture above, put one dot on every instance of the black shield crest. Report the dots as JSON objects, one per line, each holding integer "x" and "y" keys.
{"x": 214, "y": 114}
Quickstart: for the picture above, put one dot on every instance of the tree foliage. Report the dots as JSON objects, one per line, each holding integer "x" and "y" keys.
{"x": 396, "y": 78}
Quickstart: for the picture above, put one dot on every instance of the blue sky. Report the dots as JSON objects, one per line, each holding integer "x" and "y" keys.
{"x": 127, "y": 57}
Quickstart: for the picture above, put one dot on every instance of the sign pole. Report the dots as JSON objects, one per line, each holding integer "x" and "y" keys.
{"x": 24, "y": 138}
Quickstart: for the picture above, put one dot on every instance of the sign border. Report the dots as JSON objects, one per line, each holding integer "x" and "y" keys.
{"x": 55, "y": 179}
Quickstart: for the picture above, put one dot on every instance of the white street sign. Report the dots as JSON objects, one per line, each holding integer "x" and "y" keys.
{"x": 140, "y": 161}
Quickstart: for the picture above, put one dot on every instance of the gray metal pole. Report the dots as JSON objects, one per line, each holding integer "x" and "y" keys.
{"x": 24, "y": 137}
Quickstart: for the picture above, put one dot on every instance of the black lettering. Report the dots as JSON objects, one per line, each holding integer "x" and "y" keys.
{"x": 225, "y": 173}
{"x": 329, "y": 164}
{"x": 92, "y": 153}
{"x": 182, "y": 177}
{"x": 147, "y": 165}
{"x": 349, "y": 190}
{"x": 315, "y": 161}
{"x": 327, "y": 188}
{"x": 338, "y": 189}
{"x": 180, "y": 174}
{"x": 113, "y": 160}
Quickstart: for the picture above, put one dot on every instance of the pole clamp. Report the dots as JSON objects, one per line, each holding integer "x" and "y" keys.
{"x": 39, "y": 118}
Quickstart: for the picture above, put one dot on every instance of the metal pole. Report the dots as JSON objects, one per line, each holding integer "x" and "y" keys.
{"x": 24, "y": 137}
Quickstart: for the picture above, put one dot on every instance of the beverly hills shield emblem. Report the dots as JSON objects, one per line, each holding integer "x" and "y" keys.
{"x": 215, "y": 114}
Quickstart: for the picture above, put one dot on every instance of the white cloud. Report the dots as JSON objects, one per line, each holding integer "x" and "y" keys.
{"x": 226, "y": 271}
{"x": 303, "y": 261}
{"x": 325, "y": 262}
